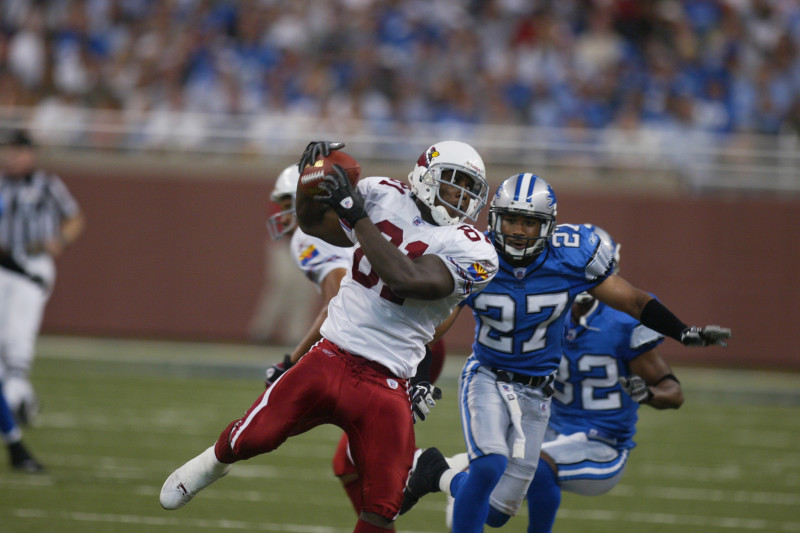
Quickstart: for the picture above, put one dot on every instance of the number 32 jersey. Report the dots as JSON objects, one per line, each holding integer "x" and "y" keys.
{"x": 519, "y": 317}
{"x": 588, "y": 395}
{"x": 366, "y": 318}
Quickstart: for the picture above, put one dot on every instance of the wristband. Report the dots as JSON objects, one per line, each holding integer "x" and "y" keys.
{"x": 668, "y": 376}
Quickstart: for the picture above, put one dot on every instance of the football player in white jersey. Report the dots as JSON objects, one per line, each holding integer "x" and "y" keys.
{"x": 415, "y": 259}
{"x": 506, "y": 384}
{"x": 326, "y": 265}
{"x": 609, "y": 367}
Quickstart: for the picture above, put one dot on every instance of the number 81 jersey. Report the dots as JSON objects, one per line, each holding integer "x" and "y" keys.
{"x": 366, "y": 317}
{"x": 519, "y": 316}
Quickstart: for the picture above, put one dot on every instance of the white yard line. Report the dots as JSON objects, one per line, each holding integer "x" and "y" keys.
{"x": 169, "y": 522}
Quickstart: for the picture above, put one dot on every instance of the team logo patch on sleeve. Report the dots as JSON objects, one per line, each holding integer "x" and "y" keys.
{"x": 308, "y": 254}
{"x": 475, "y": 273}
{"x": 478, "y": 272}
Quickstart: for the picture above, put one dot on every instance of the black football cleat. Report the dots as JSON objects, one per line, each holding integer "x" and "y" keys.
{"x": 22, "y": 460}
{"x": 424, "y": 479}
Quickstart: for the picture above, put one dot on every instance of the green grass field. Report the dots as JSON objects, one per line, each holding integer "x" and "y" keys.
{"x": 119, "y": 416}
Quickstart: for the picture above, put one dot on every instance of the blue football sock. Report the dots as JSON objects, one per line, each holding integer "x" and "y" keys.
{"x": 544, "y": 497}
{"x": 496, "y": 518}
{"x": 472, "y": 492}
{"x": 7, "y": 423}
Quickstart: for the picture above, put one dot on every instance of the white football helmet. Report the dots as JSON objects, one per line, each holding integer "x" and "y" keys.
{"x": 285, "y": 185}
{"x": 440, "y": 164}
{"x": 605, "y": 238}
{"x": 523, "y": 195}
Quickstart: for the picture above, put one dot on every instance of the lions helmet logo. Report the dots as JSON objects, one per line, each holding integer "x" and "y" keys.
{"x": 551, "y": 198}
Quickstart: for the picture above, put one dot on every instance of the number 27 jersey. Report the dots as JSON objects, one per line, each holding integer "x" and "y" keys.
{"x": 519, "y": 317}
{"x": 366, "y": 317}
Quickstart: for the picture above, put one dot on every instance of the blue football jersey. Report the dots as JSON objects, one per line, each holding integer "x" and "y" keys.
{"x": 596, "y": 353}
{"x": 519, "y": 316}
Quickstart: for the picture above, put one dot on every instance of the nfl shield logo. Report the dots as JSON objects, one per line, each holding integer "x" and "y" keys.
{"x": 519, "y": 273}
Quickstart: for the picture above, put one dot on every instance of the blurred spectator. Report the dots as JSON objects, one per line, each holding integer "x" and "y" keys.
{"x": 457, "y": 63}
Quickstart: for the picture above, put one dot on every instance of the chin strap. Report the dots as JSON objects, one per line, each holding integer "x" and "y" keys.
{"x": 441, "y": 217}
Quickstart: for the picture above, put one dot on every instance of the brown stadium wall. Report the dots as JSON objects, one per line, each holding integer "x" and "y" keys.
{"x": 165, "y": 256}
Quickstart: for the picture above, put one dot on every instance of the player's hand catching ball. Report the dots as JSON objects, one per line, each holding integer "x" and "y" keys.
{"x": 342, "y": 196}
{"x": 315, "y": 150}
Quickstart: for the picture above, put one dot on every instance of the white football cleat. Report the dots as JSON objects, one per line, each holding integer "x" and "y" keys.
{"x": 191, "y": 478}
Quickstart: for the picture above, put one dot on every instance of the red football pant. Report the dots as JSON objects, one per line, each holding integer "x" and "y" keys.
{"x": 343, "y": 462}
{"x": 331, "y": 386}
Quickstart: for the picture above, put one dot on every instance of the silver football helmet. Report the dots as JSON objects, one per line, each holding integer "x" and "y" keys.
{"x": 441, "y": 163}
{"x": 285, "y": 185}
{"x": 525, "y": 195}
{"x": 605, "y": 238}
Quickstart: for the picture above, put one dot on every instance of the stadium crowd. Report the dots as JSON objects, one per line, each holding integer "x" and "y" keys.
{"x": 708, "y": 65}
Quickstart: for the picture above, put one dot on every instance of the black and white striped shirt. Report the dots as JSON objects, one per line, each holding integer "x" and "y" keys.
{"x": 32, "y": 210}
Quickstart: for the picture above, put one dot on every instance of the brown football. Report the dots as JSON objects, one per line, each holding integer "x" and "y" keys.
{"x": 312, "y": 175}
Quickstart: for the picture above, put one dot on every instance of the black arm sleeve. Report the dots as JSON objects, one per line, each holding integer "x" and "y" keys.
{"x": 424, "y": 368}
{"x": 656, "y": 316}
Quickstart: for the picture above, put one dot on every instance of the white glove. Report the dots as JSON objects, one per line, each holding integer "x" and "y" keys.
{"x": 423, "y": 398}
{"x": 707, "y": 336}
{"x": 636, "y": 387}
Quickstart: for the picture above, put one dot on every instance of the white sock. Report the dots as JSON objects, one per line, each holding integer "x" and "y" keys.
{"x": 459, "y": 461}
{"x": 212, "y": 464}
{"x": 444, "y": 481}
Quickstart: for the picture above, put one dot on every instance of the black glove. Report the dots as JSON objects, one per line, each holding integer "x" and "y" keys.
{"x": 637, "y": 388}
{"x": 707, "y": 336}
{"x": 423, "y": 397}
{"x": 316, "y": 149}
{"x": 342, "y": 196}
{"x": 277, "y": 370}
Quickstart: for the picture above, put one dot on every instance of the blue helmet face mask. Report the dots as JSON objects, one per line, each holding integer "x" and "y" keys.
{"x": 522, "y": 195}
{"x": 585, "y": 298}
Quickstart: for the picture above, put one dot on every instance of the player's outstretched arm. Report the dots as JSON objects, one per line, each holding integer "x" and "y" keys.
{"x": 623, "y": 296}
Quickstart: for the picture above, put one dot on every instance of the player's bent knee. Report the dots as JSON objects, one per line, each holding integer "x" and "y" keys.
{"x": 496, "y": 518}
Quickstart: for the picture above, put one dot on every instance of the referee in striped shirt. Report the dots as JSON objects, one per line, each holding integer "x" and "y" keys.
{"x": 38, "y": 219}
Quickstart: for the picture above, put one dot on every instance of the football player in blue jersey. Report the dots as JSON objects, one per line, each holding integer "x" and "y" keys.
{"x": 506, "y": 384}
{"x": 610, "y": 365}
